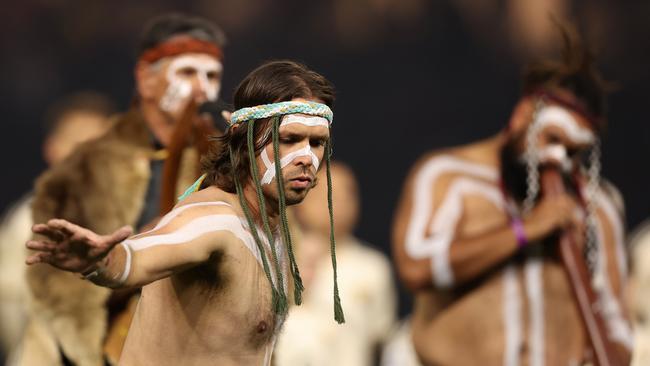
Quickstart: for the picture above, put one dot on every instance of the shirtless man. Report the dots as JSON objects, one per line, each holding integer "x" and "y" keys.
{"x": 475, "y": 242}
{"x": 210, "y": 295}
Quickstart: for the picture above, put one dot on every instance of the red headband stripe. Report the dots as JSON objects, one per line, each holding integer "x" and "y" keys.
{"x": 180, "y": 46}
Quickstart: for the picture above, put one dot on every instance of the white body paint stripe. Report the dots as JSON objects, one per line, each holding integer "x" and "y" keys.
{"x": 557, "y": 116}
{"x": 617, "y": 326}
{"x": 417, "y": 245}
{"x": 127, "y": 265}
{"x": 175, "y": 212}
{"x": 609, "y": 208}
{"x": 444, "y": 224}
{"x": 311, "y": 121}
{"x": 192, "y": 230}
{"x": 207, "y": 224}
{"x": 535, "y": 292}
{"x": 269, "y": 173}
{"x": 511, "y": 317}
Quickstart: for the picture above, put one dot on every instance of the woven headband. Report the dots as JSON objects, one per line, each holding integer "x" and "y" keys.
{"x": 281, "y": 108}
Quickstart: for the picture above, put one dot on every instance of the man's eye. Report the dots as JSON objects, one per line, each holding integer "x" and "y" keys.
{"x": 318, "y": 143}
{"x": 187, "y": 71}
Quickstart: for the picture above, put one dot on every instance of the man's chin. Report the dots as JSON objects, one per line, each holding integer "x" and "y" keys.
{"x": 295, "y": 196}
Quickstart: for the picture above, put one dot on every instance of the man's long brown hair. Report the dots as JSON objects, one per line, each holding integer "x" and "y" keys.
{"x": 272, "y": 82}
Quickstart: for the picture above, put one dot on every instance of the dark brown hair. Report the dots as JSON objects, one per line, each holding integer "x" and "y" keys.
{"x": 576, "y": 73}
{"x": 164, "y": 27}
{"x": 272, "y": 82}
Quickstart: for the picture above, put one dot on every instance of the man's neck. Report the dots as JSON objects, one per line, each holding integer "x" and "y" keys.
{"x": 159, "y": 123}
{"x": 250, "y": 195}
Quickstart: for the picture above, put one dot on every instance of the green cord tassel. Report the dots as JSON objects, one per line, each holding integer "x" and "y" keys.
{"x": 283, "y": 302}
{"x": 297, "y": 280}
{"x": 338, "y": 309}
{"x": 275, "y": 296}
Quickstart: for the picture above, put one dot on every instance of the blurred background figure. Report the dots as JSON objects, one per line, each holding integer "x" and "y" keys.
{"x": 399, "y": 350}
{"x": 310, "y": 337}
{"x": 130, "y": 176}
{"x": 71, "y": 121}
{"x": 477, "y": 232}
{"x": 639, "y": 247}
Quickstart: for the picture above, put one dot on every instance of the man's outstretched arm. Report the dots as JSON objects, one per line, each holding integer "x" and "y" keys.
{"x": 122, "y": 260}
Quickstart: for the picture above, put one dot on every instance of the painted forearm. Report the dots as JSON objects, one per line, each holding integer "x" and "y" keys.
{"x": 470, "y": 258}
{"x": 113, "y": 270}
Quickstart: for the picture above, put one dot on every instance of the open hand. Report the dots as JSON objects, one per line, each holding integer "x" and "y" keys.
{"x": 71, "y": 247}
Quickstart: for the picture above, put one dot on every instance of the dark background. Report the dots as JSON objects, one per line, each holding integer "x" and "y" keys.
{"x": 411, "y": 75}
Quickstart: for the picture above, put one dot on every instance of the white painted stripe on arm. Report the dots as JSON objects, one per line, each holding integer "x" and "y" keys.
{"x": 443, "y": 227}
{"x": 417, "y": 244}
{"x": 127, "y": 264}
{"x": 175, "y": 212}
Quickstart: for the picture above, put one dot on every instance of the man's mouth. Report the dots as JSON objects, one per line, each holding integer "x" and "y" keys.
{"x": 301, "y": 182}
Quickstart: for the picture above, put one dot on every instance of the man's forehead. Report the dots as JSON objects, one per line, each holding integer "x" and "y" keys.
{"x": 581, "y": 120}
{"x": 195, "y": 60}
{"x": 304, "y": 128}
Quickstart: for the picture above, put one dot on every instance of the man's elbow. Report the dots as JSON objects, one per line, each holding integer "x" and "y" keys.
{"x": 415, "y": 276}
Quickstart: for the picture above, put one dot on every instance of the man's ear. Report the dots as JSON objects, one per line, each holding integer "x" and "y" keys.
{"x": 145, "y": 80}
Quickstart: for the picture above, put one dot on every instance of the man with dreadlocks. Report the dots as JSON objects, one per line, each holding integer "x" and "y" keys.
{"x": 477, "y": 244}
{"x": 214, "y": 269}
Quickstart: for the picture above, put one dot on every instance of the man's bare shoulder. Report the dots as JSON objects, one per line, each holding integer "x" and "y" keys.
{"x": 480, "y": 158}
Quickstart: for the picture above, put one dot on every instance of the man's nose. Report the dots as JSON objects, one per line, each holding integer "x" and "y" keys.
{"x": 199, "y": 91}
{"x": 305, "y": 160}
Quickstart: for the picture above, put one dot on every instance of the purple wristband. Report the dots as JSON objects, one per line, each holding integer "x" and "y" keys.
{"x": 520, "y": 233}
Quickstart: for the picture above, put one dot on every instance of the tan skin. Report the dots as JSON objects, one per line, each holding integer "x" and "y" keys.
{"x": 151, "y": 83}
{"x": 206, "y": 301}
{"x": 484, "y": 237}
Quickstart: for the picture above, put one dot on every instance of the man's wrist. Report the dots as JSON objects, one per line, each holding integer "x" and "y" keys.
{"x": 93, "y": 271}
{"x": 517, "y": 226}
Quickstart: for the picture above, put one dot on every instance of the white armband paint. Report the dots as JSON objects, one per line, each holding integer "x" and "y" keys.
{"x": 127, "y": 264}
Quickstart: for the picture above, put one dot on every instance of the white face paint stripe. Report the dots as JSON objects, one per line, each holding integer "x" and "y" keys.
{"x": 269, "y": 173}
{"x": 561, "y": 118}
{"x": 535, "y": 293}
{"x": 512, "y": 326}
{"x": 557, "y": 153}
{"x": 444, "y": 224}
{"x": 417, "y": 245}
{"x": 180, "y": 89}
{"x": 311, "y": 121}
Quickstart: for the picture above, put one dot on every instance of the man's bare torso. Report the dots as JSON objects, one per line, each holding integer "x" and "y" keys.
{"x": 217, "y": 313}
{"x": 529, "y": 300}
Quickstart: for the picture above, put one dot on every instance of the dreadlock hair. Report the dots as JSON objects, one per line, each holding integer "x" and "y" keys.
{"x": 232, "y": 162}
{"x": 575, "y": 72}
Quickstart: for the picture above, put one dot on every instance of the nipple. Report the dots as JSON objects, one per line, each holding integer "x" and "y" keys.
{"x": 262, "y": 327}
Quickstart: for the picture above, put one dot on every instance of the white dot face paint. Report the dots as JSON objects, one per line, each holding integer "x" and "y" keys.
{"x": 556, "y": 153}
{"x": 269, "y": 165}
{"x": 180, "y": 88}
